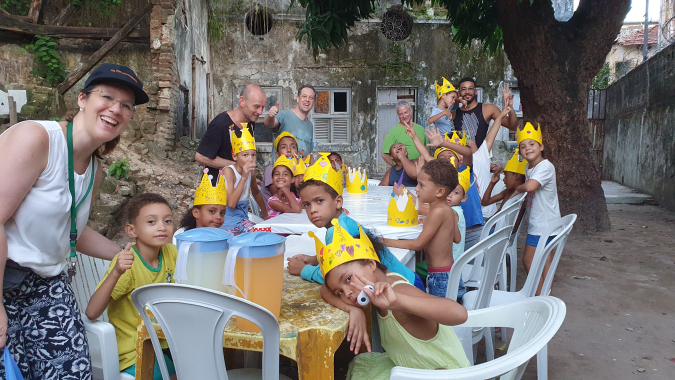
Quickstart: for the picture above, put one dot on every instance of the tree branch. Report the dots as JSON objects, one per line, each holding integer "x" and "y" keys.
{"x": 64, "y": 15}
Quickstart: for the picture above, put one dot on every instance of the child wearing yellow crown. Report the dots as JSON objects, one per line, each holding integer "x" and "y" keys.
{"x": 441, "y": 116}
{"x": 415, "y": 326}
{"x": 284, "y": 145}
{"x": 238, "y": 179}
{"x": 209, "y": 207}
{"x": 284, "y": 200}
{"x": 540, "y": 184}
{"x": 321, "y": 194}
{"x": 514, "y": 176}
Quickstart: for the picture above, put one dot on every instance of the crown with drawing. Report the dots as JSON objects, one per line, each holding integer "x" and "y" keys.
{"x": 457, "y": 137}
{"x": 245, "y": 142}
{"x": 323, "y": 171}
{"x": 529, "y": 132}
{"x": 402, "y": 211}
{"x": 514, "y": 165}
{"x": 343, "y": 249}
{"x": 207, "y": 194}
{"x": 445, "y": 88}
{"x": 357, "y": 180}
{"x": 464, "y": 178}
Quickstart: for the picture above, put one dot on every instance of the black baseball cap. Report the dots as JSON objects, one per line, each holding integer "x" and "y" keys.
{"x": 108, "y": 72}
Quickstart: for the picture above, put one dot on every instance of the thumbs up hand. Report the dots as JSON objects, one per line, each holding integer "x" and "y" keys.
{"x": 125, "y": 260}
{"x": 274, "y": 110}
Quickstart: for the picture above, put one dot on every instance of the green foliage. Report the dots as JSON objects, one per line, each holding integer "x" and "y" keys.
{"x": 119, "y": 169}
{"x": 398, "y": 60}
{"x": 216, "y": 28}
{"x": 16, "y": 7}
{"x": 327, "y": 21}
{"x": 48, "y": 64}
{"x": 601, "y": 81}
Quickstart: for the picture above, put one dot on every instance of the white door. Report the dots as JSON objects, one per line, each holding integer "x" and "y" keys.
{"x": 386, "y": 120}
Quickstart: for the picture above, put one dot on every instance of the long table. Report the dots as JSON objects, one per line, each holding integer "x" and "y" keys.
{"x": 369, "y": 209}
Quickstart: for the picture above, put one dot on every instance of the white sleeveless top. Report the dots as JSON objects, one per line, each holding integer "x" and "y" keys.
{"x": 38, "y": 234}
{"x": 247, "y": 186}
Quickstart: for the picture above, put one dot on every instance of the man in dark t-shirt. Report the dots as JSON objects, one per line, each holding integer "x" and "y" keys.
{"x": 474, "y": 118}
{"x": 215, "y": 149}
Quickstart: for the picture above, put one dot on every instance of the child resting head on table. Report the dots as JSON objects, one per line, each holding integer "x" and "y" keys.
{"x": 414, "y": 326}
{"x": 322, "y": 200}
{"x": 152, "y": 260}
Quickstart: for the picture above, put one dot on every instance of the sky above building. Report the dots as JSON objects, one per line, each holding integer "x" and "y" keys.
{"x": 637, "y": 10}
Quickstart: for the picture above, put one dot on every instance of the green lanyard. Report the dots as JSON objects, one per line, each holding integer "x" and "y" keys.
{"x": 74, "y": 206}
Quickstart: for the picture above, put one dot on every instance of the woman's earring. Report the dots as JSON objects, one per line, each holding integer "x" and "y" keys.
{"x": 81, "y": 108}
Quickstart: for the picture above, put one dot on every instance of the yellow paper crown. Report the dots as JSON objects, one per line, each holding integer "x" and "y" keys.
{"x": 456, "y": 137}
{"x": 245, "y": 142}
{"x": 402, "y": 218}
{"x": 300, "y": 166}
{"x": 357, "y": 180}
{"x": 446, "y": 87}
{"x": 529, "y": 132}
{"x": 287, "y": 162}
{"x": 464, "y": 178}
{"x": 343, "y": 249}
{"x": 323, "y": 171}
{"x": 281, "y": 136}
{"x": 211, "y": 195}
{"x": 514, "y": 165}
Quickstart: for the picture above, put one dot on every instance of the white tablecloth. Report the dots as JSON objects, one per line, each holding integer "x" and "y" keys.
{"x": 369, "y": 209}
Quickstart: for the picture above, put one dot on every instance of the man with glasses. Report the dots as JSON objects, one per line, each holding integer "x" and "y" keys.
{"x": 296, "y": 120}
{"x": 215, "y": 149}
{"x": 474, "y": 118}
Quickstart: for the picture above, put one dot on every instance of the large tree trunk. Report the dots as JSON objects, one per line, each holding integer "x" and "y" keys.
{"x": 555, "y": 63}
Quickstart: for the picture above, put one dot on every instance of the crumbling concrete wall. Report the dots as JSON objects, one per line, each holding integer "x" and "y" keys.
{"x": 639, "y": 148}
{"x": 370, "y": 61}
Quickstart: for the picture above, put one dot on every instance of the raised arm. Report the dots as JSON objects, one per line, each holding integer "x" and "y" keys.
{"x": 410, "y": 131}
{"x": 271, "y": 117}
{"x": 101, "y": 298}
{"x": 492, "y": 133}
{"x": 439, "y": 115}
{"x": 488, "y": 199}
{"x": 511, "y": 122}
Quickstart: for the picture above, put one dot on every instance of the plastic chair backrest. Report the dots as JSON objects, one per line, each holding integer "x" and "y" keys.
{"x": 505, "y": 217}
{"x": 193, "y": 320}
{"x": 255, "y": 209}
{"x": 90, "y": 271}
{"x": 492, "y": 249}
{"x": 534, "y": 320}
{"x": 561, "y": 230}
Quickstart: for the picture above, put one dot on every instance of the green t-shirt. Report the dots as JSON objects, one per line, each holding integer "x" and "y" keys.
{"x": 398, "y": 135}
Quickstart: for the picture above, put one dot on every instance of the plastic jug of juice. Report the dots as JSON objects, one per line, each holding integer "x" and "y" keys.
{"x": 255, "y": 269}
{"x": 201, "y": 257}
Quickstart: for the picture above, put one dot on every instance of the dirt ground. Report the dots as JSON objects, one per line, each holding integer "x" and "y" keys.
{"x": 620, "y": 307}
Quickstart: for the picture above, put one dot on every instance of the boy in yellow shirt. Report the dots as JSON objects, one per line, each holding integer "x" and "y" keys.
{"x": 151, "y": 260}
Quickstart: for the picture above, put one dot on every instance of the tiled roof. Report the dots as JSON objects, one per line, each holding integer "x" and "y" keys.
{"x": 638, "y": 38}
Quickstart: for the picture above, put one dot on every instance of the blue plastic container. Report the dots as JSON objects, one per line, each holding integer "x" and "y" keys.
{"x": 201, "y": 257}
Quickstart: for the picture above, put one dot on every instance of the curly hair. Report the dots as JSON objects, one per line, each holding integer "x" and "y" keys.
{"x": 442, "y": 173}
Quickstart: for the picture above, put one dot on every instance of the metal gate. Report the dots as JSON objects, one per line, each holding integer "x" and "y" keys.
{"x": 597, "y": 107}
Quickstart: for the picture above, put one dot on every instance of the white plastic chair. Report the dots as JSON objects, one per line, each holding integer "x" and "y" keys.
{"x": 512, "y": 247}
{"x": 504, "y": 218}
{"x": 561, "y": 231}
{"x": 534, "y": 320}
{"x": 193, "y": 320}
{"x": 492, "y": 250}
{"x": 253, "y": 205}
{"x": 100, "y": 333}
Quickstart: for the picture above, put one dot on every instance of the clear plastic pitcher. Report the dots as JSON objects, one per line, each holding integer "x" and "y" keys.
{"x": 255, "y": 269}
{"x": 201, "y": 257}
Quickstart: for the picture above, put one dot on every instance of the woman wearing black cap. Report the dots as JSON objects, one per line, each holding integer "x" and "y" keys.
{"x": 49, "y": 177}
